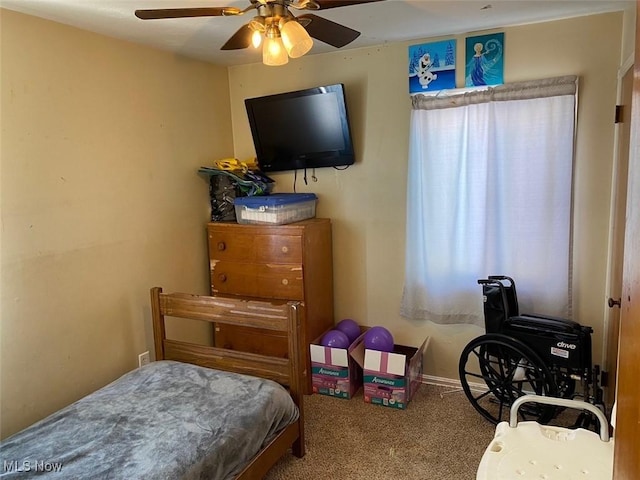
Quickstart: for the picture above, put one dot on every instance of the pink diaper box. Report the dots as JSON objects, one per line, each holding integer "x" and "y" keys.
{"x": 334, "y": 372}
{"x": 391, "y": 379}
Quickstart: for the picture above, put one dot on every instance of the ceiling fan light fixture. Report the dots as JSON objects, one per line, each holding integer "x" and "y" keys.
{"x": 273, "y": 51}
{"x": 285, "y": 35}
{"x": 256, "y": 38}
{"x": 257, "y": 26}
{"x": 295, "y": 38}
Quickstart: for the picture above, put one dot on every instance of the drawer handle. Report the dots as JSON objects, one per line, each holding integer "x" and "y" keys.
{"x": 285, "y": 249}
{"x": 222, "y": 277}
{"x": 285, "y": 281}
{"x": 221, "y": 246}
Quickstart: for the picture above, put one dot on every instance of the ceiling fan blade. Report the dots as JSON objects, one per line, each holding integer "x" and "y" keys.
{"x": 324, "y": 4}
{"x": 240, "y": 39}
{"x": 187, "y": 12}
{"x": 329, "y": 32}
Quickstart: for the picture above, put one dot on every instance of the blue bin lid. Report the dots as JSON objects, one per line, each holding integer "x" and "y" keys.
{"x": 274, "y": 200}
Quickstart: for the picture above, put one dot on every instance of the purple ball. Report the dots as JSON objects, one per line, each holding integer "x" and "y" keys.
{"x": 335, "y": 339}
{"x": 378, "y": 338}
{"x": 350, "y": 328}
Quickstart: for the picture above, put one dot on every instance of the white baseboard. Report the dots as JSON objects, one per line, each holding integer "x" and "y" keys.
{"x": 441, "y": 381}
{"x": 451, "y": 383}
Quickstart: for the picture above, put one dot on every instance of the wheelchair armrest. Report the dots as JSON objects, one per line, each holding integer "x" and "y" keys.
{"x": 561, "y": 402}
{"x": 540, "y": 320}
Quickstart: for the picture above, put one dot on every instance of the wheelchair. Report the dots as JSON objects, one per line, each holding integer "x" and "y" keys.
{"x": 527, "y": 354}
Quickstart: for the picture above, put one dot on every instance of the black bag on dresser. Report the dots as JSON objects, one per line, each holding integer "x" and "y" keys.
{"x": 222, "y": 191}
{"x": 227, "y": 184}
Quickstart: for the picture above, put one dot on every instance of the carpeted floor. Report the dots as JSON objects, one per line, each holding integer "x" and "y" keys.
{"x": 438, "y": 437}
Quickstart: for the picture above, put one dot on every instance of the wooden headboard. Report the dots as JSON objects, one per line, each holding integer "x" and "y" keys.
{"x": 282, "y": 317}
{"x": 277, "y": 316}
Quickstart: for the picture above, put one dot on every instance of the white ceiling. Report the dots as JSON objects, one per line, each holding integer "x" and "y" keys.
{"x": 381, "y": 22}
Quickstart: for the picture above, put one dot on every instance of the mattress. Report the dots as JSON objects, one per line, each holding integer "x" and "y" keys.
{"x": 167, "y": 420}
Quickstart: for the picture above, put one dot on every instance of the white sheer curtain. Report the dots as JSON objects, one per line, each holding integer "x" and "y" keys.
{"x": 489, "y": 193}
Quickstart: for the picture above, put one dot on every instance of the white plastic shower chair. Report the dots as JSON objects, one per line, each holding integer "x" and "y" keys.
{"x": 528, "y": 450}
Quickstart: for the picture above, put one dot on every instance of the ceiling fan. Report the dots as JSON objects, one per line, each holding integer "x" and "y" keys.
{"x": 285, "y": 35}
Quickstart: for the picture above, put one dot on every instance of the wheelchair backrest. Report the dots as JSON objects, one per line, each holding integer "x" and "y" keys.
{"x": 500, "y": 301}
{"x": 557, "y": 341}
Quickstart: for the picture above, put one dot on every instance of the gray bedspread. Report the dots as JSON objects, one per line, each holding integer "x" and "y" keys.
{"x": 167, "y": 420}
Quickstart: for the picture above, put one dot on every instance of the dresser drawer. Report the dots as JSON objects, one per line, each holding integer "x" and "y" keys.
{"x": 278, "y": 281}
{"x": 231, "y": 245}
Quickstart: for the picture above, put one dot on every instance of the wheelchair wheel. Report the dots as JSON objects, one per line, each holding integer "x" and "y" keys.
{"x": 509, "y": 369}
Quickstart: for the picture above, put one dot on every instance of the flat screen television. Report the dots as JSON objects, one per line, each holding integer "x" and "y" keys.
{"x": 302, "y": 129}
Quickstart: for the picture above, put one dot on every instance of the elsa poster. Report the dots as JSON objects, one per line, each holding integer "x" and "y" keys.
{"x": 432, "y": 66}
{"x": 484, "y": 60}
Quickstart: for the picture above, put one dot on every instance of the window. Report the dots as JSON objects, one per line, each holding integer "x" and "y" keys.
{"x": 489, "y": 193}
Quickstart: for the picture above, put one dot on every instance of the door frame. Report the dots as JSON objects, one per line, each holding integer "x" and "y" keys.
{"x": 619, "y": 179}
{"x": 626, "y": 461}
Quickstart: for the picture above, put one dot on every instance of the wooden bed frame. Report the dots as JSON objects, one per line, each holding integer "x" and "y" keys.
{"x": 282, "y": 317}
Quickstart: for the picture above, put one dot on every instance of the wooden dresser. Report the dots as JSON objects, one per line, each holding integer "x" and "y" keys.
{"x": 287, "y": 262}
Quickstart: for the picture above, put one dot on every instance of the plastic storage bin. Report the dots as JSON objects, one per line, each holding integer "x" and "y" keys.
{"x": 275, "y": 209}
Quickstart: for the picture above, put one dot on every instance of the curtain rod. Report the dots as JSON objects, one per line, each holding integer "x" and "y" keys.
{"x": 548, "y": 87}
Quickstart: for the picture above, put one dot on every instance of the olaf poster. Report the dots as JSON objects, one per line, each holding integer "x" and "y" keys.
{"x": 484, "y": 60}
{"x": 432, "y": 67}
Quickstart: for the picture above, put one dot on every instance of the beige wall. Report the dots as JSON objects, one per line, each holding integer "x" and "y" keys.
{"x": 101, "y": 141}
{"x": 367, "y": 201}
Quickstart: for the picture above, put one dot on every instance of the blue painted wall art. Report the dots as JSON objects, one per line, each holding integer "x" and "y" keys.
{"x": 484, "y": 60}
{"x": 432, "y": 66}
